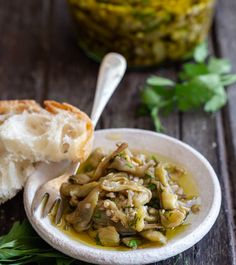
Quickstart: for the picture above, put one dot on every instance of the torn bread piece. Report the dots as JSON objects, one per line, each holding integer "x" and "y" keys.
{"x": 30, "y": 134}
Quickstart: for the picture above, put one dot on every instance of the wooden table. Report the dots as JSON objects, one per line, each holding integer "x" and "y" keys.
{"x": 39, "y": 59}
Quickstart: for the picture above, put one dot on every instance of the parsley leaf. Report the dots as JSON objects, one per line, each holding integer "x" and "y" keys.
{"x": 219, "y": 66}
{"x": 200, "y": 52}
{"x": 156, "y": 120}
{"x": 201, "y": 85}
{"x": 217, "y": 101}
{"x": 197, "y": 91}
{"x": 159, "y": 81}
{"x": 228, "y": 79}
{"x": 151, "y": 186}
{"x": 133, "y": 243}
{"x": 150, "y": 97}
{"x": 192, "y": 70}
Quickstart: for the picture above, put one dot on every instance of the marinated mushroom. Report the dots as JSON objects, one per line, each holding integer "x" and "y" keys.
{"x": 108, "y": 236}
{"x": 126, "y": 198}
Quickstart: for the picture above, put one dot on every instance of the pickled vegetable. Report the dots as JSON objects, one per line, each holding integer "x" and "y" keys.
{"x": 127, "y": 206}
{"x": 145, "y": 32}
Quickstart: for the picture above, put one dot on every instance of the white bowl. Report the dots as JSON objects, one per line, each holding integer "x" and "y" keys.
{"x": 177, "y": 151}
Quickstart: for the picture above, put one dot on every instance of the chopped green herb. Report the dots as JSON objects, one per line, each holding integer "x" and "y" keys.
{"x": 148, "y": 175}
{"x": 133, "y": 243}
{"x": 151, "y": 186}
{"x": 154, "y": 157}
{"x": 97, "y": 239}
{"x": 130, "y": 165}
{"x": 201, "y": 86}
{"x": 97, "y": 214}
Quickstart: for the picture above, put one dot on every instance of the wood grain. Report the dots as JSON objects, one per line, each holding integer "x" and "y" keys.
{"x": 226, "y": 45}
{"x": 22, "y": 50}
{"x": 200, "y": 131}
{"x": 22, "y": 64}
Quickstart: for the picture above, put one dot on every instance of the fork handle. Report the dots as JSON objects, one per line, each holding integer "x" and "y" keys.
{"x": 111, "y": 71}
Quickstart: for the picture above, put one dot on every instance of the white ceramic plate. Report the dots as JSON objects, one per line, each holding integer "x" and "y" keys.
{"x": 177, "y": 151}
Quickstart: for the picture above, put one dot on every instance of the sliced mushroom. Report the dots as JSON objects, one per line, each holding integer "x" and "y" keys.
{"x": 172, "y": 219}
{"x": 117, "y": 214}
{"x": 154, "y": 236}
{"x": 106, "y": 161}
{"x": 79, "y": 191}
{"x": 169, "y": 200}
{"x": 121, "y": 164}
{"x": 162, "y": 174}
{"x": 81, "y": 217}
{"x": 108, "y": 236}
{"x": 79, "y": 179}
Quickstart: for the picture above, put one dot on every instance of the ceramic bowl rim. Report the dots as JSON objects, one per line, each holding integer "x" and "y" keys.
{"x": 134, "y": 256}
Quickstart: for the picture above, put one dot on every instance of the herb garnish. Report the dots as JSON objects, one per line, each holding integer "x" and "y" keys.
{"x": 129, "y": 164}
{"x": 151, "y": 186}
{"x": 133, "y": 243}
{"x": 201, "y": 84}
{"x": 97, "y": 214}
{"x": 23, "y": 246}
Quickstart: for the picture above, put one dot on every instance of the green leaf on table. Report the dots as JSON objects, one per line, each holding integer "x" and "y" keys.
{"x": 217, "y": 101}
{"x": 201, "y": 85}
{"x": 191, "y": 70}
{"x": 159, "y": 81}
{"x": 219, "y": 66}
{"x": 9, "y": 244}
{"x": 150, "y": 97}
{"x": 227, "y": 80}
{"x": 18, "y": 230}
{"x": 200, "y": 52}
{"x": 156, "y": 120}
{"x": 196, "y": 92}
{"x": 22, "y": 246}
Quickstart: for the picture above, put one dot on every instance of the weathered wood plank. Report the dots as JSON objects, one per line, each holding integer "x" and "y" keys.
{"x": 200, "y": 131}
{"x": 22, "y": 50}
{"x": 226, "y": 44}
{"x": 22, "y": 59}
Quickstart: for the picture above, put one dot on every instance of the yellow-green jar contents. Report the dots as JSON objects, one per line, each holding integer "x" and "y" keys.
{"x": 146, "y": 32}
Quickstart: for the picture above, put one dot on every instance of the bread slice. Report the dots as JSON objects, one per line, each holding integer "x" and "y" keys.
{"x": 30, "y": 134}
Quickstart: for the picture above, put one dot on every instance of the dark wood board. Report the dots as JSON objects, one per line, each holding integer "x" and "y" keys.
{"x": 22, "y": 69}
{"x": 226, "y": 46}
{"x": 39, "y": 59}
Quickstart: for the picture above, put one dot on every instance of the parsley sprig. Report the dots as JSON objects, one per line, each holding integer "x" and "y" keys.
{"x": 23, "y": 246}
{"x": 201, "y": 84}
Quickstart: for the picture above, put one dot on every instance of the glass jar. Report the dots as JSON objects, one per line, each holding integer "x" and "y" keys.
{"x": 146, "y": 32}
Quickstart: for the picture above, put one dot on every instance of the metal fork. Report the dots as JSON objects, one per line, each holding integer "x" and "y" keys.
{"x": 110, "y": 74}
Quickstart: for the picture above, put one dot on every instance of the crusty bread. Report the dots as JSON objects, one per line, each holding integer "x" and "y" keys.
{"x": 30, "y": 133}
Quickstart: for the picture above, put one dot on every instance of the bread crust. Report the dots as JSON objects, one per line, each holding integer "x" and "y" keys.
{"x": 18, "y": 106}
{"x": 54, "y": 107}
{"x": 86, "y": 147}
{"x": 17, "y": 167}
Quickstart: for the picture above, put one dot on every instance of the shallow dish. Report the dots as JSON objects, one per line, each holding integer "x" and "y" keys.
{"x": 176, "y": 151}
